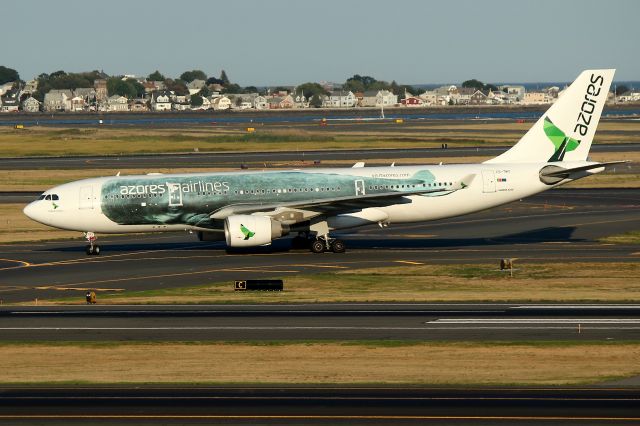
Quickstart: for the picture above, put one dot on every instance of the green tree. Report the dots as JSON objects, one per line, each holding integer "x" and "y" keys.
{"x": 156, "y": 76}
{"x": 176, "y": 86}
{"x": 196, "y": 100}
{"x": 250, "y": 89}
{"x": 205, "y": 92}
{"x": 310, "y": 89}
{"x": 189, "y": 76}
{"x": 473, "y": 84}
{"x": 621, "y": 90}
{"x": 316, "y": 101}
{"x": 224, "y": 78}
{"x": 8, "y": 74}
{"x": 232, "y": 88}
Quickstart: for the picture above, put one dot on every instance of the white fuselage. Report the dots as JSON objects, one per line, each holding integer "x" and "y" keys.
{"x": 81, "y": 205}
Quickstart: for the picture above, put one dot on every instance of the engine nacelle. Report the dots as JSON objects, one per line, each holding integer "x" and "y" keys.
{"x": 251, "y": 231}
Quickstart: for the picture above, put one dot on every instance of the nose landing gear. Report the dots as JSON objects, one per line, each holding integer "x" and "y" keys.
{"x": 92, "y": 248}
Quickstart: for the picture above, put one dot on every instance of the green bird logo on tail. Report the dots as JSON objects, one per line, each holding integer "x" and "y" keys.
{"x": 246, "y": 232}
{"x": 561, "y": 142}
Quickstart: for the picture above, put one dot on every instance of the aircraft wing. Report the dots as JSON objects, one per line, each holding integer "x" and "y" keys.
{"x": 299, "y": 211}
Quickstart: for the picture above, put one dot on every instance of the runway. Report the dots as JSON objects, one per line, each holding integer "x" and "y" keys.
{"x": 235, "y": 159}
{"x": 559, "y": 224}
{"x": 381, "y": 321}
{"x": 319, "y": 406}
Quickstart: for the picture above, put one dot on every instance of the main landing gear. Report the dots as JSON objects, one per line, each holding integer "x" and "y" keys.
{"x": 92, "y": 248}
{"x": 319, "y": 244}
{"x": 324, "y": 243}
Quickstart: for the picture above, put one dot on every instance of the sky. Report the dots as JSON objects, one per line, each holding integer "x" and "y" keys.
{"x": 288, "y": 42}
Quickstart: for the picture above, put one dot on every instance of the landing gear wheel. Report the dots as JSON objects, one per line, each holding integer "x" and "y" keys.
{"x": 318, "y": 246}
{"x": 338, "y": 246}
{"x": 92, "y": 250}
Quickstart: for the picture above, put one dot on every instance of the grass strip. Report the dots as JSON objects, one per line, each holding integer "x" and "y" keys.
{"x": 319, "y": 363}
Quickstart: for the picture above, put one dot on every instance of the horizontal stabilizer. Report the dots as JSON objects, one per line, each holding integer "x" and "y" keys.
{"x": 567, "y": 172}
{"x": 553, "y": 174}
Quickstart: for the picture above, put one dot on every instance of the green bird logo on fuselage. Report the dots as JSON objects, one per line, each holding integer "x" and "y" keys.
{"x": 246, "y": 232}
{"x": 561, "y": 142}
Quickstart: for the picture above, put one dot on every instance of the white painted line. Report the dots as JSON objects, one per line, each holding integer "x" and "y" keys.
{"x": 536, "y": 321}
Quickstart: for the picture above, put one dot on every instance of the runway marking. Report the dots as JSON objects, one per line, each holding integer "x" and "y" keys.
{"x": 53, "y": 287}
{"x": 208, "y": 271}
{"x": 22, "y": 262}
{"x": 535, "y": 321}
{"x": 408, "y": 262}
{"x": 307, "y": 417}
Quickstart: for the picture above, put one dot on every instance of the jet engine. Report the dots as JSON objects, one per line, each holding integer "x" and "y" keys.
{"x": 251, "y": 231}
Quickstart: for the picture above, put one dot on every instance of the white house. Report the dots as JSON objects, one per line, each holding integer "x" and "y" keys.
{"x": 377, "y": 98}
{"x": 161, "y": 102}
{"x": 57, "y": 100}
{"x": 31, "y": 104}
{"x": 260, "y": 102}
{"x": 195, "y": 86}
{"x": 221, "y": 103}
{"x": 116, "y": 103}
{"x": 340, "y": 99}
{"x": 534, "y": 98}
{"x": 9, "y": 103}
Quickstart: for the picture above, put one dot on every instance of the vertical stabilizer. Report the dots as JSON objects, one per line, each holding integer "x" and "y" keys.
{"x": 565, "y": 131}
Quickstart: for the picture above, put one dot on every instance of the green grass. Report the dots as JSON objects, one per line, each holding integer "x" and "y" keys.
{"x": 632, "y": 237}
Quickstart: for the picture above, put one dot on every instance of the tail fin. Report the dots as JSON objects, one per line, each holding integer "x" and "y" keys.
{"x": 565, "y": 131}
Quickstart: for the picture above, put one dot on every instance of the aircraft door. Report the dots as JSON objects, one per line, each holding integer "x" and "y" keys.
{"x": 86, "y": 197}
{"x": 488, "y": 181}
{"x": 175, "y": 194}
{"x": 360, "y": 187}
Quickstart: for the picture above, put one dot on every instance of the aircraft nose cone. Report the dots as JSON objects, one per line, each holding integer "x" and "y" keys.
{"x": 31, "y": 211}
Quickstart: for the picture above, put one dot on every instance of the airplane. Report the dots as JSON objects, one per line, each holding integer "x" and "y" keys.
{"x": 252, "y": 208}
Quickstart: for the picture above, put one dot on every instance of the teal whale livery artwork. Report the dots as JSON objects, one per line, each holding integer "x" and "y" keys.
{"x": 254, "y": 208}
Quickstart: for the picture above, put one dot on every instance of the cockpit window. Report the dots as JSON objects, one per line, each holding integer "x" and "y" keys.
{"x": 55, "y": 197}
{"x": 40, "y": 197}
{"x": 48, "y": 197}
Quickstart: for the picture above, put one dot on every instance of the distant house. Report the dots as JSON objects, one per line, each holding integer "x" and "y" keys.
{"x": 516, "y": 91}
{"x": 6, "y": 87}
{"x": 377, "y": 98}
{"x": 299, "y": 100}
{"x": 100, "y": 86}
{"x": 31, "y": 104}
{"x": 430, "y": 97}
{"x": 138, "y": 105}
{"x": 534, "y": 98}
{"x": 10, "y": 103}
{"x": 478, "y": 98}
{"x": 260, "y": 102}
{"x": 161, "y": 101}
{"x": 77, "y": 103}
{"x": 117, "y": 103}
{"x": 221, "y": 103}
{"x": 57, "y": 100}
{"x": 30, "y": 88}
{"x": 340, "y": 99}
{"x": 412, "y": 101}
{"x": 195, "y": 86}
{"x": 242, "y": 101}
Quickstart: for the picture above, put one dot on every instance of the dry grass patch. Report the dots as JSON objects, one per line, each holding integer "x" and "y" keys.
{"x": 310, "y": 363}
{"x": 575, "y": 282}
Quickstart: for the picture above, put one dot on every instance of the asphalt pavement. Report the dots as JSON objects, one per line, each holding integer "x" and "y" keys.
{"x": 559, "y": 225}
